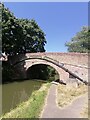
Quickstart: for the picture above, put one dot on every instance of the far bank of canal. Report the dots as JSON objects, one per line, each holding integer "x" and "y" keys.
{"x": 15, "y": 93}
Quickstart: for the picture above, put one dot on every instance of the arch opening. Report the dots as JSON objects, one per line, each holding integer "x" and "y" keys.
{"x": 42, "y": 72}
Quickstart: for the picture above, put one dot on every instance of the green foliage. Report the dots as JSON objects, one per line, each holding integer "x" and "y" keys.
{"x": 80, "y": 42}
{"x": 34, "y": 40}
{"x": 52, "y": 73}
{"x": 20, "y": 35}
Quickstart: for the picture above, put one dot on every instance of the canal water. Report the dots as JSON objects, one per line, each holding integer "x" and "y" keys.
{"x": 15, "y": 93}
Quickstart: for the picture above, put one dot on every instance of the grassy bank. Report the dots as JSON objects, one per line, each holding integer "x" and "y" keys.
{"x": 66, "y": 95}
{"x": 86, "y": 110}
{"x": 84, "y": 113}
{"x": 31, "y": 108}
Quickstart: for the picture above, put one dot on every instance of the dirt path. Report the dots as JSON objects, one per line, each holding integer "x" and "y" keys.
{"x": 51, "y": 110}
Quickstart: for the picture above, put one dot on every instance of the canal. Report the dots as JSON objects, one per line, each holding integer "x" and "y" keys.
{"x": 16, "y": 92}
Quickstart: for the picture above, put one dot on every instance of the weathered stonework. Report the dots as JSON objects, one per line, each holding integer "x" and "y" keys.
{"x": 75, "y": 62}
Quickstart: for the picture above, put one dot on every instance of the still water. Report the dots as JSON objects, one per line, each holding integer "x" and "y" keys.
{"x": 17, "y": 92}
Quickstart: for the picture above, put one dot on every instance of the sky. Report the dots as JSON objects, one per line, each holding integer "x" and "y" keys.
{"x": 60, "y": 21}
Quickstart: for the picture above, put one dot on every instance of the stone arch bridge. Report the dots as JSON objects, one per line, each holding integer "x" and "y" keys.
{"x": 66, "y": 64}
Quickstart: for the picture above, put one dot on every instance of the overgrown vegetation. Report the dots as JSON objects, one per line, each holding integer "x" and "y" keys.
{"x": 65, "y": 95}
{"x": 31, "y": 108}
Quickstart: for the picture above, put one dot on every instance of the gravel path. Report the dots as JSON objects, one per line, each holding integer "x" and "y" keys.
{"x": 51, "y": 110}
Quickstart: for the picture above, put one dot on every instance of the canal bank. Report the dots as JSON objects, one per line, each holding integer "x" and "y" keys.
{"x": 32, "y": 107}
{"x": 17, "y": 92}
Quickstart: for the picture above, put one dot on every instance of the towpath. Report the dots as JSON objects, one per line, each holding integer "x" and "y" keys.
{"x": 51, "y": 110}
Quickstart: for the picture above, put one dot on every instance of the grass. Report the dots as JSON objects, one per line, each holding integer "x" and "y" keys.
{"x": 65, "y": 95}
{"x": 31, "y": 108}
{"x": 84, "y": 113}
{"x": 86, "y": 110}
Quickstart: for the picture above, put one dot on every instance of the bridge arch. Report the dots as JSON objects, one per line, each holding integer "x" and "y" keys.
{"x": 30, "y": 62}
{"x": 57, "y": 61}
{"x": 31, "y": 70}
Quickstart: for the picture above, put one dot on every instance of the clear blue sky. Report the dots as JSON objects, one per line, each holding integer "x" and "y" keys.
{"x": 60, "y": 21}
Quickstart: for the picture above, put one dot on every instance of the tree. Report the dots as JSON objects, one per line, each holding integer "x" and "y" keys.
{"x": 20, "y": 35}
{"x": 34, "y": 37}
{"x": 12, "y": 33}
{"x": 80, "y": 42}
